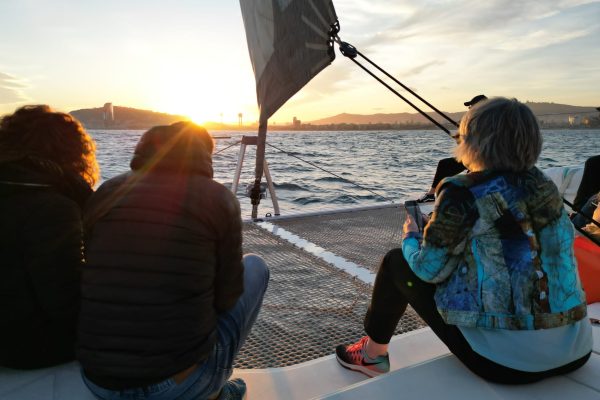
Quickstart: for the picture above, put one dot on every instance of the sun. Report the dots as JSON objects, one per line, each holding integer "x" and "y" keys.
{"x": 197, "y": 118}
{"x": 204, "y": 101}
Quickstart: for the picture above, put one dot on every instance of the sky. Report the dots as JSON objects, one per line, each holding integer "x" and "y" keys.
{"x": 190, "y": 57}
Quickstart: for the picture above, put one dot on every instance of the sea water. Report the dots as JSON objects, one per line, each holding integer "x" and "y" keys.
{"x": 323, "y": 170}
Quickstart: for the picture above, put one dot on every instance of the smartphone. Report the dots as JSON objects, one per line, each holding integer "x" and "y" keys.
{"x": 412, "y": 209}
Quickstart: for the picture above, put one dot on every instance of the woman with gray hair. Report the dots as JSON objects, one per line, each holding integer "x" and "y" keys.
{"x": 493, "y": 272}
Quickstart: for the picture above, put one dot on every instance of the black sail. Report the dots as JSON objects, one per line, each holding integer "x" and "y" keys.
{"x": 289, "y": 43}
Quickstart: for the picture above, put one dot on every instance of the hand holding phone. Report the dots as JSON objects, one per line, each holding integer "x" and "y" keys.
{"x": 412, "y": 209}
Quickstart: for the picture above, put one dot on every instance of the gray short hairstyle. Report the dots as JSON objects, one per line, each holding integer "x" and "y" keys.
{"x": 499, "y": 134}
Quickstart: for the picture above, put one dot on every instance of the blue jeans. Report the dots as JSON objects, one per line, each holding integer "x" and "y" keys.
{"x": 233, "y": 327}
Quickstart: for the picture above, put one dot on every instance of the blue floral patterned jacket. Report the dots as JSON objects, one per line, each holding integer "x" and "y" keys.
{"x": 499, "y": 247}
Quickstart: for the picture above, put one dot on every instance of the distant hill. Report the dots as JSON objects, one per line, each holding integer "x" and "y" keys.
{"x": 396, "y": 118}
{"x": 546, "y": 112}
{"x": 550, "y": 115}
{"x": 125, "y": 118}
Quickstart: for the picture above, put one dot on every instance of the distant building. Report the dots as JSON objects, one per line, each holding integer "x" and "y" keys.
{"x": 108, "y": 114}
{"x": 296, "y": 122}
{"x": 573, "y": 120}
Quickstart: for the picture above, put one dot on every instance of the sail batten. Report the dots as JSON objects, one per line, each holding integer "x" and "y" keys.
{"x": 317, "y": 12}
{"x": 315, "y": 28}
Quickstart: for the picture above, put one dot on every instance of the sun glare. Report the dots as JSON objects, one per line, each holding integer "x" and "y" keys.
{"x": 197, "y": 118}
{"x": 184, "y": 92}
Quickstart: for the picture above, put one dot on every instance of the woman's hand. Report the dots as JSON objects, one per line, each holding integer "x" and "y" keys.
{"x": 409, "y": 225}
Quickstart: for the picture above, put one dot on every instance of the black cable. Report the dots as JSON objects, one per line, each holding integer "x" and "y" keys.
{"x": 409, "y": 90}
{"x": 578, "y": 211}
{"x": 222, "y": 150}
{"x": 581, "y": 230}
{"x": 331, "y": 173}
{"x": 351, "y": 52}
{"x": 402, "y": 97}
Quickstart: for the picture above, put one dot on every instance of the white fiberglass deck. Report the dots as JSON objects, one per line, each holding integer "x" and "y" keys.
{"x": 422, "y": 368}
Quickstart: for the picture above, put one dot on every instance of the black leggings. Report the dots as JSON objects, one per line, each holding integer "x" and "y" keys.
{"x": 396, "y": 286}
{"x": 446, "y": 167}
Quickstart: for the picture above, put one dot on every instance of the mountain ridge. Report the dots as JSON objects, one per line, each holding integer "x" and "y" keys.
{"x": 124, "y": 118}
{"x": 542, "y": 110}
{"x": 133, "y": 118}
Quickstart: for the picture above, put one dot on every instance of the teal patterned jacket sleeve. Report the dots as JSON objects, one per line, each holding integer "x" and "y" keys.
{"x": 445, "y": 235}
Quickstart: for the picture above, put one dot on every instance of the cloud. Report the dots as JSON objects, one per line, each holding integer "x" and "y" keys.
{"x": 472, "y": 22}
{"x": 543, "y": 38}
{"x": 451, "y": 49}
{"x": 11, "y": 89}
{"x": 335, "y": 78}
{"x": 420, "y": 68}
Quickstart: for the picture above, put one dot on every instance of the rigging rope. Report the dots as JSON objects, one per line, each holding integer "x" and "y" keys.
{"x": 331, "y": 173}
{"x": 222, "y": 150}
{"x": 453, "y": 122}
{"x": 314, "y": 165}
{"x": 352, "y": 52}
{"x": 588, "y": 218}
{"x": 578, "y": 211}
{"x": 568, "y": 203}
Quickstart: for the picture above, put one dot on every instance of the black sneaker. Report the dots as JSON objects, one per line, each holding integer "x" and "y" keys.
{"x": 426, "y": 198}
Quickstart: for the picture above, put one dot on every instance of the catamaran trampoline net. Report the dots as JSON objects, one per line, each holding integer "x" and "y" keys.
{"x": 362, "y": 237}
{"x": 310, "y": 306}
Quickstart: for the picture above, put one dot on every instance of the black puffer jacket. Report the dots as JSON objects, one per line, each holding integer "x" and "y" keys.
{"x": 41, "y": 252}
{"x": 164, "y": 257}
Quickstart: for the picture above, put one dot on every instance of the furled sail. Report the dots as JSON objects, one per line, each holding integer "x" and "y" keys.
{"x": 289, "y": 43}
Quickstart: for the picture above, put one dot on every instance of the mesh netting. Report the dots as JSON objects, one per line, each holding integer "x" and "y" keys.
{"x": 309, "y": 308}
{"x": 362, "y": 237}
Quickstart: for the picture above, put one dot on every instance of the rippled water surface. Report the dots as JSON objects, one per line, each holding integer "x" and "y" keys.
{"x": 396, "y": 165}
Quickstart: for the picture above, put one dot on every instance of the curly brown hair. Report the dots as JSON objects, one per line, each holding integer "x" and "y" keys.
{"x": 36, "y": 131}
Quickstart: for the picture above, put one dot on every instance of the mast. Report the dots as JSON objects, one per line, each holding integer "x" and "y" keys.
{"x": 289, "y": 43}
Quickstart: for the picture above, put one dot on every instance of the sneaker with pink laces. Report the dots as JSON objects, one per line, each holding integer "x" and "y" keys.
{"x": 355, "y": 357}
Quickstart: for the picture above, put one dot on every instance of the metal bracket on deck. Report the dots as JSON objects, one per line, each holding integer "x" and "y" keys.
{"x": 252, "y": 141}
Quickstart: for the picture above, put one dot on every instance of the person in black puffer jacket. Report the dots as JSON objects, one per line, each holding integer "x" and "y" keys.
{"x": 167, "y": 298}
{"x": 47, "y": 170}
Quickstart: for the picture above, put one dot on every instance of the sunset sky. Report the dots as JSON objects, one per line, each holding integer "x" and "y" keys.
{"x": 190, "y": 56}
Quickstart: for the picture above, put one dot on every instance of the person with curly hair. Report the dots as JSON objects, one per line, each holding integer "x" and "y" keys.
{"x": 47, "y": 171}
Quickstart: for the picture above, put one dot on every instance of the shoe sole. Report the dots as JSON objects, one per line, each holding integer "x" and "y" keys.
{"x": 359, "y": 368}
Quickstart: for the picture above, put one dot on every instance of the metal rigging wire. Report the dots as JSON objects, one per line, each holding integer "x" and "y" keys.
{"x": 331, "y": 173}
{"x": 223, "y": 149}
{"x": 316, "y": 166}
{"x": 351, "y": 52}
